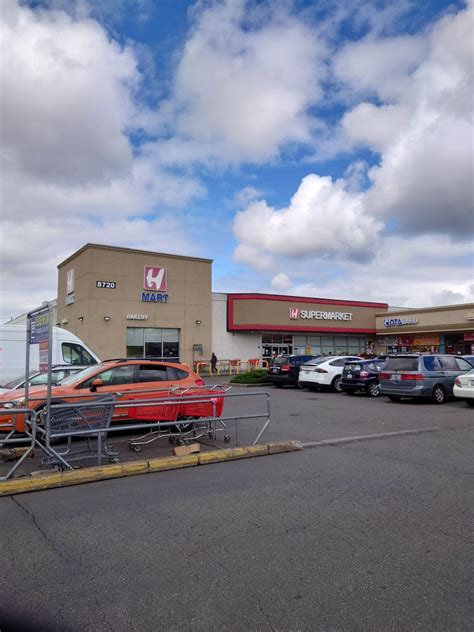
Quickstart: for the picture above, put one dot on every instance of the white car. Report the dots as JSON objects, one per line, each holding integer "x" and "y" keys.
{"x": 324, "y": 372}
{"x": 464, "y": 387}
{"x": 38, "y": 378}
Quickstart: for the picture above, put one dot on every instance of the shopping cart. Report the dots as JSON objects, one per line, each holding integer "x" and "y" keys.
{"x": 185, "y": 415}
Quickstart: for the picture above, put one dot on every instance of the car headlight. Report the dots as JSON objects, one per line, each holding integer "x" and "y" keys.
{"x": 15, "y": 403}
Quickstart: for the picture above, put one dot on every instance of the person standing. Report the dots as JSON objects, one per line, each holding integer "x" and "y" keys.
{"x": 213, "y": 362}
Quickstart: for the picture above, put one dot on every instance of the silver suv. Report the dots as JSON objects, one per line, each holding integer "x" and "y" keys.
{"x": 412, "y": 375}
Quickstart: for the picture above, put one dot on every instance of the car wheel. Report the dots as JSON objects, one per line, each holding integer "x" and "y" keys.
{"x": 470, "y": 402}
{"x": 438, "y": 395}
{"x": 373, "y": 389}
{"x": 394, "y": 398}
{"x": 336, "y": 384}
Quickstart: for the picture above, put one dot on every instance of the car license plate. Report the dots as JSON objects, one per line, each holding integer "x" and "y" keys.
{"x": 274, "y": 370}
{"x": 349, "y": 376}
{"x": 396, "y": 377}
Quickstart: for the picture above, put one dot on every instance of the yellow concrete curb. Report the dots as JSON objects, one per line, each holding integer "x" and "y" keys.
{"x": 49, "y": 480}
{"x": 284, "y": 446}
{"x": 172, "y": 462}
{"x": 216, "y": 456}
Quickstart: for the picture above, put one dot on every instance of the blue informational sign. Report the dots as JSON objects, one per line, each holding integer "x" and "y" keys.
{"x": 39, "y": 327}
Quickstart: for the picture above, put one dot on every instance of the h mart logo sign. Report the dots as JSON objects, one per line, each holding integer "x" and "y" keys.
{"x": 155, "y": 279}
{"x": 294, "y": 313}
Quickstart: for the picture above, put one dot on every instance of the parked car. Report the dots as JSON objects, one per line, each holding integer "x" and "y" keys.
{"x": 325, "y": 372}
{"x": 412, "y": 375}
{"x": 464, "y": 387}
{"x": 285, "y": 369}
{"x": 362, "y": 376}
{"x": 37, "y": 378}
{"x": 127, "y": 378}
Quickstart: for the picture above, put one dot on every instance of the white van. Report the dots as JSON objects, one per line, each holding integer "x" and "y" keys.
{"x": 67, "y": 349}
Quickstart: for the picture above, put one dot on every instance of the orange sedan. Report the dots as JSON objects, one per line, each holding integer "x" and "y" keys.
{"x": 129, "y": 379}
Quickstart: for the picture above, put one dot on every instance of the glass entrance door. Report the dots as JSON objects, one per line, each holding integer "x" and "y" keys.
{"x": 276, "y": 344}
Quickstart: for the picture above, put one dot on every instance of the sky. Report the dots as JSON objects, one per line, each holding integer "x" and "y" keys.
{"x": 311, "y": 148}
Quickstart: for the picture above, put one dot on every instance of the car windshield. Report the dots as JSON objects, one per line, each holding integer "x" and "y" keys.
{"x": 14, "y": 383}
{"x": 80, "y": 375}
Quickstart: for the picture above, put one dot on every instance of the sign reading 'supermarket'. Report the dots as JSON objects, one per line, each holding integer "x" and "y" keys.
{"x": 296, "y": 313}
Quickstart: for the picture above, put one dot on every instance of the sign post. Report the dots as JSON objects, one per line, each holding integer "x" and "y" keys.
{"x": 39, "y": 330}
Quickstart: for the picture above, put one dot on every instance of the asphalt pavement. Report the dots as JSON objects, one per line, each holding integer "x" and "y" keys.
{"x": 366, "y": 534}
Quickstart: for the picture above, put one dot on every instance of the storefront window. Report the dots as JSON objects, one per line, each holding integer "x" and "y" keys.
{"x": 315, "y": 345}
{"x": 327, "y": 345}
{"x": 354, "y": 345}
{"x": 340, "y": 343}
{"x": 153, "y": 342}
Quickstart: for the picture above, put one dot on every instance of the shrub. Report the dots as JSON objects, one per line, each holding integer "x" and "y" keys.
{"x": 252, "y": 377}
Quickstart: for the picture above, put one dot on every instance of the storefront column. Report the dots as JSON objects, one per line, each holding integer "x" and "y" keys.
{"x": 441, "y": 344}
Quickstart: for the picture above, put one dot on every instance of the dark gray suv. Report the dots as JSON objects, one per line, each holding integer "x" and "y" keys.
{"x": 431, "y": 376}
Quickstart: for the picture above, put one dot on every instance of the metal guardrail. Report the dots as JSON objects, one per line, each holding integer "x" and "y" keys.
{"x": 14, "y": 437}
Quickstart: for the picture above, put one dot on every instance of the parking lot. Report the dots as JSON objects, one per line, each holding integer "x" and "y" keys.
{"x": 373, "y": 534}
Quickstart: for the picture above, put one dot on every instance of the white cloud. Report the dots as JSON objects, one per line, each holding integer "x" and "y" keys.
{"x": 281, "y": 281}
{"x": 69, "y": 172}
{"x": 421, "y": 126}
{"x": 245, "y": 81}
{"x": 29, "y": 260}
{"x": 424, "y": 130}
{"x": 64, "y": 115}
{"x": 423, "y": 271}
{"x": 322, "y": 219}
{"x": 379, "y": 66}
{"x": 375, "y": 126}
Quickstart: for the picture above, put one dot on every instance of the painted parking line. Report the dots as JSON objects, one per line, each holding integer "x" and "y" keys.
{"x": 370, "y": 437}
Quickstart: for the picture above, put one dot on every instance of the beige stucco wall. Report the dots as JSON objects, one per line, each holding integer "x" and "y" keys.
{"x": 436, "y": 319}
{"x": 189, "y": 290}
{"x": 264, "y": 313}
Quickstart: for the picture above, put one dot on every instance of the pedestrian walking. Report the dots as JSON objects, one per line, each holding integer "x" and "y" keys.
{"x": 213, "y": 363}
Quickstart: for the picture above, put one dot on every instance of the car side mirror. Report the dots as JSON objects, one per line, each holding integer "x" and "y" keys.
{"x": 95, "y": 384}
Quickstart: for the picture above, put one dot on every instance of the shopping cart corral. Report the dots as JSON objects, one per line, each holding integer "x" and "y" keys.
{"x": 184, "y": 415}
{"x": 212, "y": 416}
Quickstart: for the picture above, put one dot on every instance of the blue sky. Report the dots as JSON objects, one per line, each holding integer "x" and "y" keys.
{"x": 311, "y": 148}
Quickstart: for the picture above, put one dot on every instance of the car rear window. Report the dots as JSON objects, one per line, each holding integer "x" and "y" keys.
{"x": 402, "y": 364}
{"x": 353, "y": 366}
{"x": 280, "y": 361}
{"x": 173, "y": 373}
{"x": 317, "y": 361}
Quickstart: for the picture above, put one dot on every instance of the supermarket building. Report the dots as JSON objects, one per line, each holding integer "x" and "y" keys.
{"x": 124, "y": 302}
